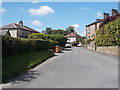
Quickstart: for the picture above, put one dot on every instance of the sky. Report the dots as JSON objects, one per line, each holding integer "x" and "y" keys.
{"x": 39, "y": 15}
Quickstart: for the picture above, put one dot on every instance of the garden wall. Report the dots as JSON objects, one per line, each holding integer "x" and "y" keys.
{"x": 111, "y": 50}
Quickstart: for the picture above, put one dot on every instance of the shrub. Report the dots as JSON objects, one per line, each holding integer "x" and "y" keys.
{"x": 52, "y": 44}
{"x": 37, "y": 36}
{"x": 108, "y": 35}
{"x": 12, "y": 45}
{"x": 61, "y": 39}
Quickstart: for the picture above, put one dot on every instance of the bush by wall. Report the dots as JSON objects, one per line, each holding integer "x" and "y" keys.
{"x": 108, "y": 35}
{"x": 61, "y": 39}
{"x": 12, "y": 45}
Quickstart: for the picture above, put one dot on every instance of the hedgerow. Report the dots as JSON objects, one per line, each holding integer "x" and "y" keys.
{"x": 61, "y": 39}
{"x": 108, "y": 35}
{"x": 12, "y": 45}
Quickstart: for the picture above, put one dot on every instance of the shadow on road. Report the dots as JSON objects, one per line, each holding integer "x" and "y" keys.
{"x": 27, "y": 77}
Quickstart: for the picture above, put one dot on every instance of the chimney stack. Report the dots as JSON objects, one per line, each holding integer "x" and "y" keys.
{"x": 98, "y": 20}
{"x": 106, "y": 15}
{"x": 114, "y": 12}
{"x": 20, "y": 23}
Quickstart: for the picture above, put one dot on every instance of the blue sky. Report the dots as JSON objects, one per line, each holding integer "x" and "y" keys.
{"x": 39, "y": 15}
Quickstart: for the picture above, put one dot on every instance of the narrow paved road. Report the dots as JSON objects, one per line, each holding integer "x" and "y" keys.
{"x": 74, "y": 68}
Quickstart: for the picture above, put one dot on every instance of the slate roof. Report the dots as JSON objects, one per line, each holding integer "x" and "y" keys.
{"x": 3, "y": 32}
{"x": 72, "y": 35}
{"x": 18, "y": 26}
{"x": 101, "y": 20}
{"x": 94, "y": 23}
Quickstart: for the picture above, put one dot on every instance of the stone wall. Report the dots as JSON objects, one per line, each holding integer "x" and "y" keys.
{"x": 111, "y": 50}
{"x": 91, "y": 45}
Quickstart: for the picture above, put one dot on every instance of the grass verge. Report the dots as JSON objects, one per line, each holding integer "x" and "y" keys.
{"x": 15, "y": 65}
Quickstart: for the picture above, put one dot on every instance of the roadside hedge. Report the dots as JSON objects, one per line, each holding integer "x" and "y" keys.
{"x": 108, "y": 35}
{"x": 12, "y": 45}
{"x": 61, "y": 39}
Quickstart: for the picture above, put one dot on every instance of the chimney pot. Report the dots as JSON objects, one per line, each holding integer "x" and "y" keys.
{"x": 21, "y": 23}
{"x": 106, "y": 15}
{"x": 114, "y": 11}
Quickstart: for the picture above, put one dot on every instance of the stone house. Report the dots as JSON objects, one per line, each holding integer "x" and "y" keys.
{"x": 18, "y": 30}
{"x": 92, "y": 27}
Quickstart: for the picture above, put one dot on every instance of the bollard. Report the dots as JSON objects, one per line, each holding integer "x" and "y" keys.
{"x": 57, "y": 49}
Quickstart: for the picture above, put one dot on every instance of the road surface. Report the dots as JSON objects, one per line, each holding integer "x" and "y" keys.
{"x": 74, "y": 68}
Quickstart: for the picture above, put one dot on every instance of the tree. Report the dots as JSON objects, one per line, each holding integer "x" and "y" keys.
{"x": 70, "y": 29}
{"x": 55, "y": 31}
{"x": 48, "y": 31}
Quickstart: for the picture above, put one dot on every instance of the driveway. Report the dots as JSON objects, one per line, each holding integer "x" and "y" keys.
{"x": 74, "y": 68}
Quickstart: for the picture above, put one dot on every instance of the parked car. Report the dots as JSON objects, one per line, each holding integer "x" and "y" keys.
{"x": 79, "y": 45}
{"x": 67, "y": 45}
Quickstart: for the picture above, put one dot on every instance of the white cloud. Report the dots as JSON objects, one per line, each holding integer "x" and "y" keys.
{"x": 99, "y": 14}
{"x": 35, "y": 1}
{"x": 36, "y": 23}
{"x": 77, "y": 27}
{"x": 86, "y": 8}
{"x": 82, "y": 33}
{"x": 42, "y": 10}
{"x": 21, "y": 8}
{"x": 2, "y": 10}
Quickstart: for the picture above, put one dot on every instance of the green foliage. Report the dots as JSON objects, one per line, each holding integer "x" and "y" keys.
{"x": 108, "y": 35}
{"x": 37, "y": 36}
{"x": 86, "y": 41}
{"x": 61, "y": 39}
{"x": 48, "y": 31}
{"x": 12, "y": 45}
{"x": 59, "y": 31}
{"x": 52, "y": 44}
{"x": 56, "y": 31}
{"x": 70, "y": 29}
{"x": 15, "y": 65}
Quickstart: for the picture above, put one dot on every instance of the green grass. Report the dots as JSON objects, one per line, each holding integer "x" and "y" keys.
{"x": 15, "y": 65}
